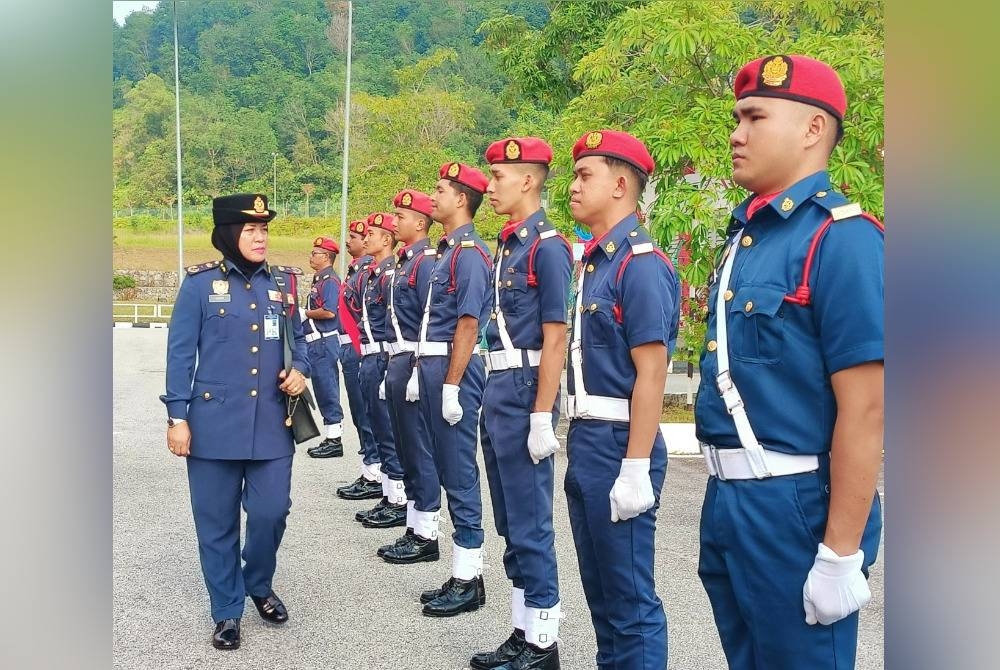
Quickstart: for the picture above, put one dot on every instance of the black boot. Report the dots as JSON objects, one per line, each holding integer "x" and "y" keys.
{"x": 430, "y": 595}
{"x": 534, "y": 658}
{"x": 360, "y": 516}
{"x": 415, "y": 550}
{"x": 390, "y": 516}
{"x": 227, "y": 634}
{"x": 462, "y": 595}
{"x": 511, "y": 647}
{"x": 331, "y": 447}
{"x": 403, "y": 539}
{"x": 360, "y": 489}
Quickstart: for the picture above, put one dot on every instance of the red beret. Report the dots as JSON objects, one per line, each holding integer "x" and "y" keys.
{"x": 519, "y": 150}
{"x": 326, "y": 244}
{"x": 415, "y": 200}
{"x": 383, "y": 220}
{"x": 465, "y": 175}
{"x": 360, "y": 226}
{"x": 615, "y": 144}
{"x": 797, "y": 78}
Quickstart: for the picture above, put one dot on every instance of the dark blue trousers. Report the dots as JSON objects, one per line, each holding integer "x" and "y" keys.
{"x": 350, "y": 361}
{"x": 372, "y": 373}
{"x": 520, "y": 490}
{"x": 217, "y": 489}
{"x": 616, "y": 559}
{"x": 758, "y": 542}
{"x": 413, "y": 447}
{"x": 323, "y": 357}
{"x": 454, "y": 447}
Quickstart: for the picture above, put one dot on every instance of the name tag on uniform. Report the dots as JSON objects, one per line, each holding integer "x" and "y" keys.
{"x": 220, "y": 298}
{"x": 271, "y": 326}
{"x": 276, "y": 296}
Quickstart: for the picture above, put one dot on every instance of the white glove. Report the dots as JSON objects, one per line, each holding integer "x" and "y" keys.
{"x": 413, "y": 387}
{"x": 835, "y": 587}
{"x": 632, "y": 493}
{"x": 381, "y": 390}
{"x": 451, "y": 410}
{"x": 542, "y": 441}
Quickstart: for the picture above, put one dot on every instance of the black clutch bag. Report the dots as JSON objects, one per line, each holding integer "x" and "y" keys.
{"x": 300, "y": 417}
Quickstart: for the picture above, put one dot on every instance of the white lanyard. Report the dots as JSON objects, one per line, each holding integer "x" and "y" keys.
{"x": 576, "y": 348}
{"x": 364, "y": 305}
{"x": 505, "y": 340}
{"x": 392, "y": 310}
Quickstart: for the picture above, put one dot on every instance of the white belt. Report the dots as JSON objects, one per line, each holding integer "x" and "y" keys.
{"x": 735, "y": 463}
{"x": 312, "y": 337}
{"x": 373, "y": 348}
{"x": 345, "y": 339}
{"x": 508, "y": 359}
{"x": 426, "y": 348}
{"x": 399, "y": 347}
{"x": 597, "y": 407}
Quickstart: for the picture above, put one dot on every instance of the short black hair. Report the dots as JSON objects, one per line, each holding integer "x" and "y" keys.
{"x": 618, "y": 164}
{"x": 472, "y": 196}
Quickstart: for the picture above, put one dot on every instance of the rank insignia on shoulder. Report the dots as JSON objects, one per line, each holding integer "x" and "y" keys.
{"x": 468, "y": 243}
{"x": 845, "y": 211}
{"x": 195, "y": 269}
{"x": 430, "y": 252}
{"x": 290, "y": 269}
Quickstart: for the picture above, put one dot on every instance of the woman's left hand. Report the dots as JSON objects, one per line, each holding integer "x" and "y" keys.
{"x": 293, "y": 384}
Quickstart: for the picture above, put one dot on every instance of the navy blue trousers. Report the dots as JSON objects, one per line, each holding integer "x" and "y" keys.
{"x": 758, "y": 542}
{"x": 454, "y": 447}
{"x": 616, "y": 559}
{"x": 323, "y": 357}
{"x": 350, "y": 361}
{"x": 372, "y": 373}
{"x": 520, "y": 490}
{"x": 217, "y": 489}
{"x": 413, "y": 445}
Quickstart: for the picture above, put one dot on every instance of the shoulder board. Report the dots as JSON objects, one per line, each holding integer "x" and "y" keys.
{"x": 290, "y": 269}
{"x": 546, "y": 234}
{"x": 829, "y": 200}
{"x": 195, "y": 269}
{"x": 640, "y": 241}
{"x": 468, "y": 243}
{"x": 430, "y": 252}
{"x": 845, "y": 211}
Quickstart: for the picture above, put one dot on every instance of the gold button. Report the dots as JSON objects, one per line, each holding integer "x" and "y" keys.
{"x": 499, "y": 284}
{"x": 253, "y": 305}
{"x": 746, "y": 241}
{"x": 222, "y": 311}
{"x": 439, "y": 256}
{"x": 506, "y": 252}
{"x": 712, "y": 345}
{"x": 509, "y": 282}
{"x": 207, "y": 395}
{"x": 253, "y": 393}
{"x": 580, "y": 309}
{"x": 247, "y": 286}
{"x": 821, "y": 194}
{"x": 728, "y": 295}
{"x": 254, "y": 327}
{"x": 749, "y": 305}
{"x": 253, "y": 371}
{"x": 590, "y": 267}
{"x": 253, "y": 350}
{"x": 593, "y": 307}
{"x": 633, "y": 234}
{"x": 493, "y": 316}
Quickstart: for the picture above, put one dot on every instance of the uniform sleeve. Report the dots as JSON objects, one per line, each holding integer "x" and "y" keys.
{"x": 553, "y": 268}
{"x": 648, "y": 296}
{"x": 848, "y": 294}
{"x": 472, "y": 280}
{"x": 182, "y": 348}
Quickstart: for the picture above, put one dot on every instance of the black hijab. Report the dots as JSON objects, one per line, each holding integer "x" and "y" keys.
{"x": 226, "y": 239}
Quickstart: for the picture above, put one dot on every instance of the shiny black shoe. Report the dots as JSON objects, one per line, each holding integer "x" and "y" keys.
{"x": 416, "y": 550}
{"x": 361, "y": 489}
{"x": 430, "y": 595}
{"x": 227, "y": 634}
{"x": 462, "y": 595}
{"x": 270, "y": 608}
{"x": 331, "y": 447}
{"x": 360, "y": 516}
{"x": 390, "y": 516}
{"x": 534, "y": 658}
{"x": 487, "y": 660}
{"x": 403, "y": 539}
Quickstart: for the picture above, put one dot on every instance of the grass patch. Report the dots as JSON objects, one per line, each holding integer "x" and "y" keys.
{"x": 135, "y": 250}
{"x": 673, "y": 414}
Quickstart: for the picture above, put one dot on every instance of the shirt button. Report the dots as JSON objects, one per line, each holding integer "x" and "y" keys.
{"x": 593, "y": 307}
{"x": 253, "y": 305}
{"x": 506, "y": 252}
{"x": 746, "y": 241}
{"x": 253, "y": 393}
{"x": 254, "y": 327}
{"x": 509, "y": 282}
{"x": 590, "y": 267}
{"x": 728, "y": 295}
{"x": 247, "y": 286}
{"x": 207, "y": 395}
{"x": 712, "y": 345}
{"x": 253, "y": 371}
{"x": 821, "y": 194}
{"x": 222, "y": 311}
{"x": 253, "y": 350}
{"x": 749, "y": 306}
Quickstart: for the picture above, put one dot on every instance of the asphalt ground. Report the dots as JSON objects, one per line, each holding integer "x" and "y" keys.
{"x": 347, "y": 608}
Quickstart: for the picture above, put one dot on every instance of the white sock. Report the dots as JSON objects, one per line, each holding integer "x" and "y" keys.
{"x": 517, "y": 613}
{"x": 466, "y": 564}
{"x": 335, "y": 430}
{"x": 542, "y": 625}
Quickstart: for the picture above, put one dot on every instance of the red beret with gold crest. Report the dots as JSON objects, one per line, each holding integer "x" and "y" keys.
{"x": 465, "y": 175}
{"x": 415, "y": 200}
{"x": 359, "y": 226}
{"x": 798, "y": 78}
{"x": 326, "y": 244}
{"x": 383, "y": 220}
{"x": 519, "y": 150}
{"x": 615, "y": 144}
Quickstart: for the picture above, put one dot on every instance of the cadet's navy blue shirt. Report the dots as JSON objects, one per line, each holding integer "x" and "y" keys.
{"x": 414, "y": 265}
{"x": 460, "y": 283}
{"x": 222, "y": 373}
{"x": 646, "y": 297}
{"x": 324, "y": 294}
{"x": 782, "y": 354}
{"x": 526, "y": 307}
{"x": 357, "y": 276}
{"x": 376, "y": 299}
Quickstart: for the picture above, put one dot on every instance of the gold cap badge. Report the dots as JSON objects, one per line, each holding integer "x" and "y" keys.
{"x": 512, "y": 151}
{"x": 774, "y": 71}
{"x": 594, "y": 140}
{"x": 406, "y": 200}
{"x": 453, "y": 170}
{"x": 318, "y": 242}
{"x": 378, "y": 219}
{"x": 258, "y": 205}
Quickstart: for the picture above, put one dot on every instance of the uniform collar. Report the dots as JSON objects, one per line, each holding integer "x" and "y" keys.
{"x": 228, "y": 266}
{"x": 325, "y": 273}
{"x": 410, "y": 250}
{"x": 384, "y": 264}
{"x": 459, "y": 234}
{"x": 611, "y": 241}
{"x": 787, "y": 202}
{"x": 360, "y": 262}
{"x": 525, "y": 230}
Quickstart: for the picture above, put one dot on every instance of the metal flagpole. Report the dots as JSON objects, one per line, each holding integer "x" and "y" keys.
{"x": 347, "y": 135}
{"x": 177, "y": 120}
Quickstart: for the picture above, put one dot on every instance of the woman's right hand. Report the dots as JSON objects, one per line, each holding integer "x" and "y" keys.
{"x": 179, "y": 439}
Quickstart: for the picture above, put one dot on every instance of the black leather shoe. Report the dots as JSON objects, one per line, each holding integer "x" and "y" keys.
{"x": 227, "y": 634}
{"x": 487, "y": 660}
{"x": 430, "y": 595}
{"x": 416, "y": 550}
{"x": 403, "y": 539}
{"x": 534, "y": 658}
{"x": 462, "y": 595}
{"x": 360, "y": 516}
{"x": 361, "y": 489}
{"x": 390, "y": 516}
{"x": 271, "y": 608}
{"x": 331, "y": 447}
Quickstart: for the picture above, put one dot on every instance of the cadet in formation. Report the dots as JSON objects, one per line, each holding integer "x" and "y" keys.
{"x": 228, "y": 399}
{"x": 789, "y": 412}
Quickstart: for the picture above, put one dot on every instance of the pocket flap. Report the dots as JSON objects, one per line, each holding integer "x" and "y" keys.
{"x": 208, "y": 391}
{"x": 756, "y": 300}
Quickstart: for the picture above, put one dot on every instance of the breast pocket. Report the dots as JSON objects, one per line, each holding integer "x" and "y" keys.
{"x": 757, "y": 324}
{"x": 439, "y": 288}
{"x": 220, "y": 323}
{"x": 514, "y": 293}
{"x": 208, "y": 394}
{"x": 598, "y": 321}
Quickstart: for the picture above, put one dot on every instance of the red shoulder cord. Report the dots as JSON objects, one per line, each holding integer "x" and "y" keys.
{"x": 452, "y": 286}
{"x": 803, "y": 295}
{"x": 293, "y": 285}
{"x": 412, "y": 281}
{"x": 616, "y": 310}
{"x": 532, "y": 278}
